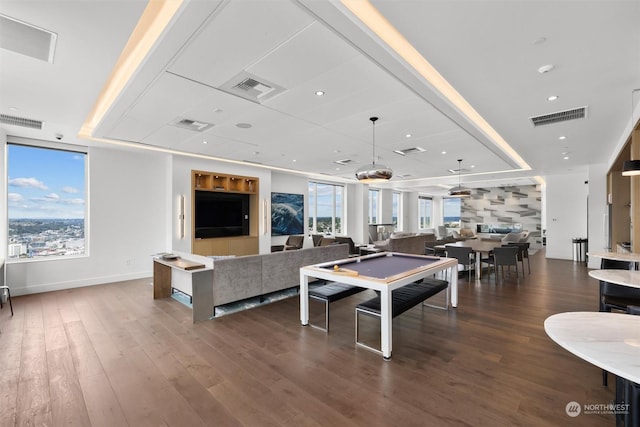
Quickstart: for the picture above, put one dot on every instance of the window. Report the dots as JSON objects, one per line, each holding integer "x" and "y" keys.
{"x": 326, "y": 206}
{"x": 374, "y": 206}
{"x": 45, "y": 202}
{"x": 425, "y": 212}
{"x": 451, "y": 212}
{"x": 397, "y": 210}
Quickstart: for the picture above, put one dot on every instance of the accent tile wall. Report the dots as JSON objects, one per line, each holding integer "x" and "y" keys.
{"x": 505, "y": 205}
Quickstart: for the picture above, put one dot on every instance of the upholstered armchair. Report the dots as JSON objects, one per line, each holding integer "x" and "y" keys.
{"x": 294, "y": 242}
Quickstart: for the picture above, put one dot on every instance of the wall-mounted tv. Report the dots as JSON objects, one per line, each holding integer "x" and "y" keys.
{"x": 220, "y": 214}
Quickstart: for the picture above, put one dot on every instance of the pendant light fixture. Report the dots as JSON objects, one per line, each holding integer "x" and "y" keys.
{"x": 459, "y": 190}
{"x": 374, "y": 172}
{"x": 631, "y": 167}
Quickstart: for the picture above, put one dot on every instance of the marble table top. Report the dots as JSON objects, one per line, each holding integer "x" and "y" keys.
{"x": 610, "y": 341}
{"x": 618, "y": 256}
{"x": 630, "y": 278}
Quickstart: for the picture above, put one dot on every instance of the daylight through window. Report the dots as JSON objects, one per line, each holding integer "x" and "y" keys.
{"x": 451, "y": 212}
{"x": 46, "y": 202}
{"x": 326, "y": 207}
{"x": 424, "y": 212}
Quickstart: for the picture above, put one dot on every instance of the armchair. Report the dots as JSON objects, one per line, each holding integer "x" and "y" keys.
{"x": 294, "y": 242}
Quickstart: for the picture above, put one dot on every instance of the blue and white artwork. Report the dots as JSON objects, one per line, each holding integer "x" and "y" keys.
{"x": 287, "y": 214}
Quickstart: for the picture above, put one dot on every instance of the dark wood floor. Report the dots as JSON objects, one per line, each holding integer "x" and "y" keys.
{"x": 110, "y": 355}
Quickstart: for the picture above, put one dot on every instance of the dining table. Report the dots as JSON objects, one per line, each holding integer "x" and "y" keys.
{"x": 479, "y": 246}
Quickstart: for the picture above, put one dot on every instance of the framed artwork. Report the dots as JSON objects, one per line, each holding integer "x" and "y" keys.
{"x": 287, "y": 214}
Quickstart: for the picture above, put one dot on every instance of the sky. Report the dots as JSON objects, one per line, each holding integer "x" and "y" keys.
{"x": 45, "y": 183}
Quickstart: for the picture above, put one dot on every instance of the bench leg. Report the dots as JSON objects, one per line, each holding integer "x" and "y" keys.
{"x": 358, "y": 343}
{"x": 326, "y": 315}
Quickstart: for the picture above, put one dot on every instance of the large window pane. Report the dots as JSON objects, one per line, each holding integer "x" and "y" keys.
{"x": 326, "y": 208}
{"x": 424, "y": 212}
{"x": 374, "y": 205}
{"x": 45, "y": 202}
{"x": 451, "y": 212}
{"x": 396, "y": 211}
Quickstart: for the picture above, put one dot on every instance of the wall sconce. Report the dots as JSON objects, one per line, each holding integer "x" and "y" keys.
{"x": 181, "y": 216}
{"x": 264, "y": 215}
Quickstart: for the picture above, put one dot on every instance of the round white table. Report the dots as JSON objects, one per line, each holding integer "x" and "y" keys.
{"x": 610, "y": 341}
{"x": 629, "y": 278}
{"x": 616, "y": 256}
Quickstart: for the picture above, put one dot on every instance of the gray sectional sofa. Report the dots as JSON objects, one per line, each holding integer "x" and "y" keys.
{"x": 238, "y": 278}
{"x": 409, "y": 243}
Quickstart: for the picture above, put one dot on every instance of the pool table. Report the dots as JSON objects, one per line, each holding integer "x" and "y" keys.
{"x": 382, "y": 272}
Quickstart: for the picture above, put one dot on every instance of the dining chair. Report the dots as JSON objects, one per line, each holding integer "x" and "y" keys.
{"x": 6, "y": 289}
{"x": 523, "y": 253}
{"x": 502, "y": 256}
{"x": 464, "y": 255}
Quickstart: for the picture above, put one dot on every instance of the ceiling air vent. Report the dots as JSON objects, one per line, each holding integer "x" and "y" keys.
{"x": 253, "y": 88}
{"x": 20, "y": 121}
{"x": 457, "y": 171}
{"x": 560, "y": 116}
{"x": 407, "y": 151}
{"x": 193, "y": 125}
{"x": 345, "y": 162}
{"x": 27, "y": 39}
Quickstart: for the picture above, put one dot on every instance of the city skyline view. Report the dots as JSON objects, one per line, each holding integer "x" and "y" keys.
{"x": 45, "y": 183}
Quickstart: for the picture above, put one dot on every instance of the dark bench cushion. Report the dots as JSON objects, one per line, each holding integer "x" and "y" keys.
{"x": 406, "y": 297}
{"x": 333, "y": 291}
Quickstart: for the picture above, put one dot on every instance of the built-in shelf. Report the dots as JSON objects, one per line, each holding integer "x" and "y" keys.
{"x": 217, "y": 182}
{"x": 228, "y": 183}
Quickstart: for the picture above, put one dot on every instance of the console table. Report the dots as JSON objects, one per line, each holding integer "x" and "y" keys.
{"x": 190, "y": 274}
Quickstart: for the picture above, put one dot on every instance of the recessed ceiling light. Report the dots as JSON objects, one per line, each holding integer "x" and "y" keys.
{"x": 205, "y": 142}
{"x": 552, "y": 98}
{"x": 408, "y": 135}
{"x": 243, "y": 125}
{"x": 319, "y": 92}
{"x": 444, "y": 152}
{"x": 545, "y": 68}
{"x": 294, "y": 160}
{"x": 561, "y": 138}
{"x": 565, "y": 158}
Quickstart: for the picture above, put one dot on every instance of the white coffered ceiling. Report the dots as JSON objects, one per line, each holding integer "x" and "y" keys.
{"x": 489, "y": 51}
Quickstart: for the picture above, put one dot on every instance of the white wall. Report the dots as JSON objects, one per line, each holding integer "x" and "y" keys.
{"x": 181, "y": 167}
{"x": 294, "y": 184}
{"x": 127, "y": 224}
{"x": 566, "y": 211}
{"x": 3, "y": 194}
{"x": 410, "y": 212}
{"x": 597, "y": 209}
{"x": 357, "y": 212}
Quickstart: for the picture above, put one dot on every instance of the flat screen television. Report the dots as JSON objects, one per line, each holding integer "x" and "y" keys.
{"x": 220, "y": 214}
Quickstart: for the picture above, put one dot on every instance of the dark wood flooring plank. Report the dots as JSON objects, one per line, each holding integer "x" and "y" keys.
{"x": 132, "y": 360}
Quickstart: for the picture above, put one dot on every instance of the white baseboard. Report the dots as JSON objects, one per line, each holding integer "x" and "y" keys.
{"x": 92, "y": 281}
